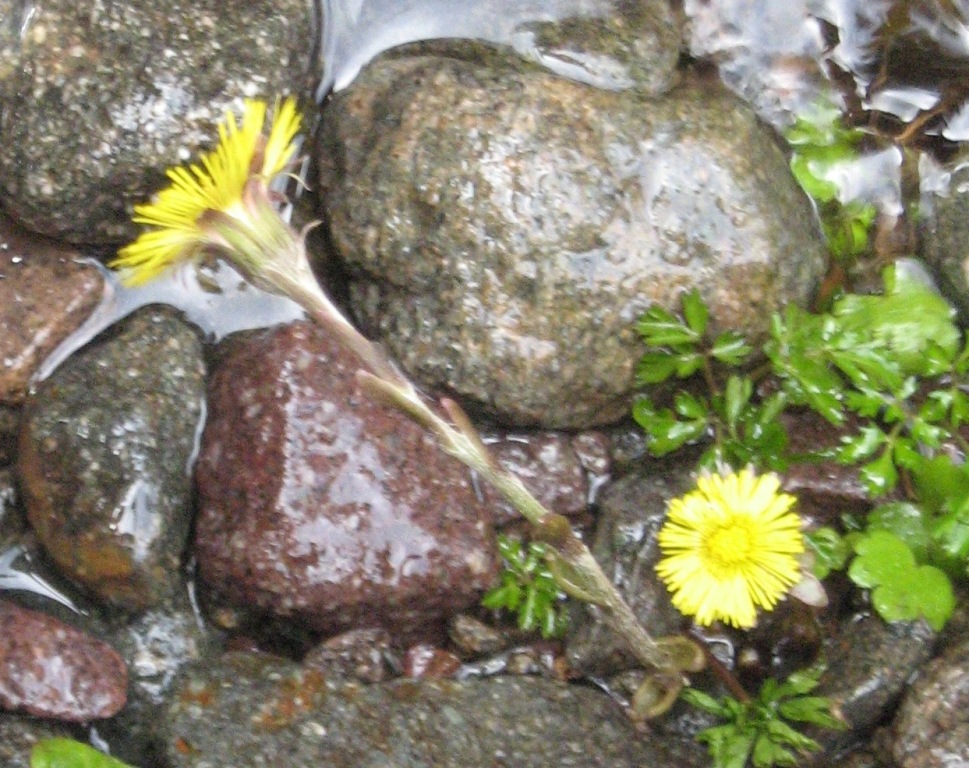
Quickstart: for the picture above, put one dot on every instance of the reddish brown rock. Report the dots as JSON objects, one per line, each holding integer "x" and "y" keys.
{"x": 53, "y": 670}
{"x": 551, "y": 467}
{"x": 319, "y": 505}
{"x": 45, "y": 294}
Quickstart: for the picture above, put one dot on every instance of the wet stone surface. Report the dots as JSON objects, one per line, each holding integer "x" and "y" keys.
{"x": 104, "y": 455}
{"x": 504, "y": 229}
{"x": 946, "y": 236}
{"x": 552, "y": 469}
{"x": 635, "y": 46}
{"x": 50, "y": 669}
{"x": 631, "y": 512}
{"x": 45, "y": 294}
{"x": 870, "y": 663}
{"x": 102, "y": 97}
{"x": 156, "y": 646}
{"x": 250, "y": 711}
{"x": 931, "y": 729}
{"x": 317, "y": 504}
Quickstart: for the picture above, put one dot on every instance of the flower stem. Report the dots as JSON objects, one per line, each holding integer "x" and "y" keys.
{"x": 570, "y": 560}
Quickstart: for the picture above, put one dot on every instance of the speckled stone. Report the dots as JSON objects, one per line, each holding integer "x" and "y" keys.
{"x": 103, "y": 97}
{"x": 870, "y": 663}
{"x": 317, "y": 504}
{"x": 45, "y": 294}
{"x": 248, "y": 712}
{"x": 52, "y": 670}
{"x": 19, "y": 734}
{"x": 931, "y": 729}
{"x": 551, "y": 468}
{"x": 945, "y": 236}
{"x": 105, "y": 448}
{"x": 504, "y": 229}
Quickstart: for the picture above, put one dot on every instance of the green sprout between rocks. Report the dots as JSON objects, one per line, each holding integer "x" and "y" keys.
{"x": 757, "y": 731}
{"x": 889, "y": 372}
{"x": 67, "y": 753}
{"x": 821, "y": 145}
{"x": 528, "y": 589}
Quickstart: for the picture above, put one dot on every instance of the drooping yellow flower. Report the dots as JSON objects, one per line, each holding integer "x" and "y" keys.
{"x": 729, "y": 547}
{"x": 222, "y": 201}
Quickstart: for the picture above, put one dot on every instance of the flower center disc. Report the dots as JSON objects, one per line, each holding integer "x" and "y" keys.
{"x": 730, "y": 543}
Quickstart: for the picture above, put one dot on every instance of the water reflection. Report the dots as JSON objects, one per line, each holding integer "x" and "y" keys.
{"x": 356, "y": 31}
{"x": 904, "y": 60}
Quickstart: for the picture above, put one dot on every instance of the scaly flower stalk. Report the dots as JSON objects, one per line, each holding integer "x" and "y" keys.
{"x": 224, "y": 203}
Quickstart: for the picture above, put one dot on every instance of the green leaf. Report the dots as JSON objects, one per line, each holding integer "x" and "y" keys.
{"x": 860, "y": 446}
{"x": 730, "y": 348}
{"x": 882, "y": 558}
{"x": 695, "y": 312}
{"x": 830, "y": 550}
{"x": 932, "y": 591}
{"x": 909, "y": 319}
{"x": 67, "y": 753}
{"x": 660, "y": 328}
{"x": 907, "y": 522}
{"x": 736, "y": 396}
{"x": 880, "y": 476}
{"x": 655, "y": 367}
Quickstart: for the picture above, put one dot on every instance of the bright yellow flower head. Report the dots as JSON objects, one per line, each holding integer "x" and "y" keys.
{"x": 222, "y": 201}
{"x": 729, "y": 547}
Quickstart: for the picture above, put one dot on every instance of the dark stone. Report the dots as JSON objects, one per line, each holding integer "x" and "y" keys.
{"x": 945, "y": 236}
{"x": 632, "y": 510}
{"x": 156, "y": 646}
{"x": 249, "y": 711}
{"x": 870, "y": 663}
{"x": 472, "y": 637}
{"x": 320, "y": 505}
{"x": 45, "y": 294}
{"x": 103, "y": 97}
{"x": 104, "y": 455}
{"x": 360, "y": 654}
{"x": 50, "y": 669}
{"x": 549, "y": 466}
{"x": 931, "y": 729}
{"x": 636, "y": 45}
{"x": 535, "y": 219}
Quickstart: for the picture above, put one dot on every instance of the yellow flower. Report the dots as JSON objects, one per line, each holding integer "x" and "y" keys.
{"x": 730, "y": 546}
{"x": 223, "y": 201}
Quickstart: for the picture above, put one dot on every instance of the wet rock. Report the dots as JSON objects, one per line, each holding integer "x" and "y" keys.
{"x": 472, "y": 637}
{"x": 12, "y": 520}
{"x": 105, "y": 449}
{"x": 319, "y": 505}
{"x": 869, "y": 665}
{"x": 932, "y": 726}
{"x": 945, "y": 235}
{"x": 360, "y": 654}
{"x": 550, "y": 467}
{"x": 19, "y": 734}
{"x": 9, "y": 429}
{"x": 632, "y": 510}
{"x": 52, "y": 670}
{"x": 426, "y": 661}
{"x": 104, "y": 97}
{"x": 534, "y": 219}
{"x": 156, "y": 646}
{"x": 636, "y": 45}
{"x": 248, "y": 711}
{"x": 45, "y": 294}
